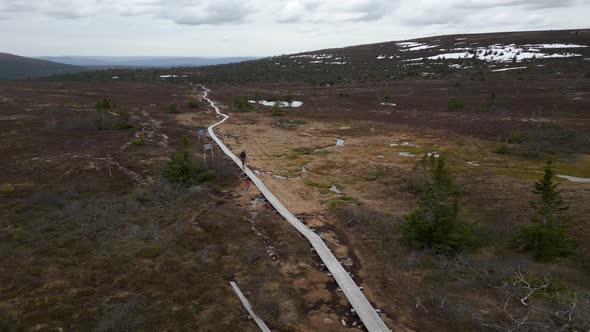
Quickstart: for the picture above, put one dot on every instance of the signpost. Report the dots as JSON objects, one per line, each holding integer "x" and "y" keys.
{"x": 201, "y": 132}
{"x": 205, "y": 148}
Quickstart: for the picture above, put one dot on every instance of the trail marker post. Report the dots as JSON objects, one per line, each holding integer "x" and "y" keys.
{"x": 108, "y": 162}
{"x": 201, "y": 132}
{"x": 208, "y": 147}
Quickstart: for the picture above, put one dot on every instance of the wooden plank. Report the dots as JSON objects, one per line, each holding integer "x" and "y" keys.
{"x": 363, "y": 308}
{"x": 248, "y": 308}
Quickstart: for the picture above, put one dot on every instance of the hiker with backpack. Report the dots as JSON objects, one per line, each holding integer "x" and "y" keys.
{"x": 243, "y": 158}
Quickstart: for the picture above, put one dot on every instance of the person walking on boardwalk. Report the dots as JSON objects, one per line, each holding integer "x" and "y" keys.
{"x": 243, "y": 158}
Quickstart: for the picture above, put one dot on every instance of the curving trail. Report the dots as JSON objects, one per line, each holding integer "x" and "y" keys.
{"x": 357, "y": 299}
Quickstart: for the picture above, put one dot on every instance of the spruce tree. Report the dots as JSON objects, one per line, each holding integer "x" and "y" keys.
{"x": 546, "y": 236}
{"x": 434, "y": 224}
{"x": 181, "y": 168}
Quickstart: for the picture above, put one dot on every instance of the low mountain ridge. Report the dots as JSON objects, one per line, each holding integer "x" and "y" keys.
{"x": 556, "y": 54}
{"x": 566, "y": 52}
{"x": 18, "y": 67}
{"x": 142, "y": 61}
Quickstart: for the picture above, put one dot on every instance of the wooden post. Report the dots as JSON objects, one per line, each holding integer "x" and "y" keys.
{"x": 108, "y": 160}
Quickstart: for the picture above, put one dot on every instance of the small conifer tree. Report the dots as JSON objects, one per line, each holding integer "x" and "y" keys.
{"x": 173, "y": 108}
{"x": 181, "y": 169}
{"x": 434, "y": 224}
{"x": 276, "y": 109}
{"x": 122, "y": 122}
{"x": 546, "y": 236}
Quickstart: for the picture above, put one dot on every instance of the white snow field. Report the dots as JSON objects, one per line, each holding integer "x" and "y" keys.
{"x": 505, "y": 53}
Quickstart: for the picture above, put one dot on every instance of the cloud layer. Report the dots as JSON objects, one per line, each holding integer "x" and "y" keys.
{"x": 217, "y": 12}
{"x": 259, "y": 27}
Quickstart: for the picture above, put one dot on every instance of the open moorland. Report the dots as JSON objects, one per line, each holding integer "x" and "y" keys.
{"x": 344, "y": 162}
{"x": 113, "y": 217}
{"x": 95, "y": 238}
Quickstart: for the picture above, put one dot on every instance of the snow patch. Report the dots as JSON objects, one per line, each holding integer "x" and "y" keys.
{"x": 497, "y": 53}
{"x": 414, "y": 46}
{"x": 433, "y": 154}
{"x": 422, "y": 47}
{"x": 313, "y": 56}
{"x": 507, "y": 69}
{"x": 547, "y": 46}
{"x": 405, "y": 154}
{"x": 335, "y": 190}
{"x": 293, "y": 104}
{"x": 574, "y": 179}
{"x": 408, "y": 44}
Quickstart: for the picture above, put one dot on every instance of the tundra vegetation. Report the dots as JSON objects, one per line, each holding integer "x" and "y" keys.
{"x": 448, "y": 243}
{"x": 118, "y": 238}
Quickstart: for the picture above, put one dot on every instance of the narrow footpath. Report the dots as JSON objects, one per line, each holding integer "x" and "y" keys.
{"x": 363, "y": 308}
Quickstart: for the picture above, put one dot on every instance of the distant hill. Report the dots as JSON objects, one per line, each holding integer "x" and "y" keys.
{"x": 18, "y": 67}
{"x": 555, "y": 53}
{"x": 522, "y": 55}
{"x": 141, "y": 61}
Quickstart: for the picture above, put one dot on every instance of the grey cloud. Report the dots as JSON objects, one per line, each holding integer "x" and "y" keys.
{"x": 52, "y": 8}
{"x": 441, "y": 18}
{"x": 530, "y": 4}
{"x": 178, "y": 11}
{"x": 207, "y": 12}
{"x": 333, "y": 11}
{"x": 15, "y": 6}
{"x": 218, "y": 12}
{"x": 457, "y": 12}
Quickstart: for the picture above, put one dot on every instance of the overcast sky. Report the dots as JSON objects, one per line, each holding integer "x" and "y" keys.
{"x": 259, "y": 27}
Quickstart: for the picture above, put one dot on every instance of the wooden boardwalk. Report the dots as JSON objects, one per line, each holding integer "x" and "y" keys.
{"x": 248, "y": 308}
{"x": 363, "y": 308}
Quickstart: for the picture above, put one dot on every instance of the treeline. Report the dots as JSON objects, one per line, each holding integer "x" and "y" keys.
{"x": 283, "y": 69}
